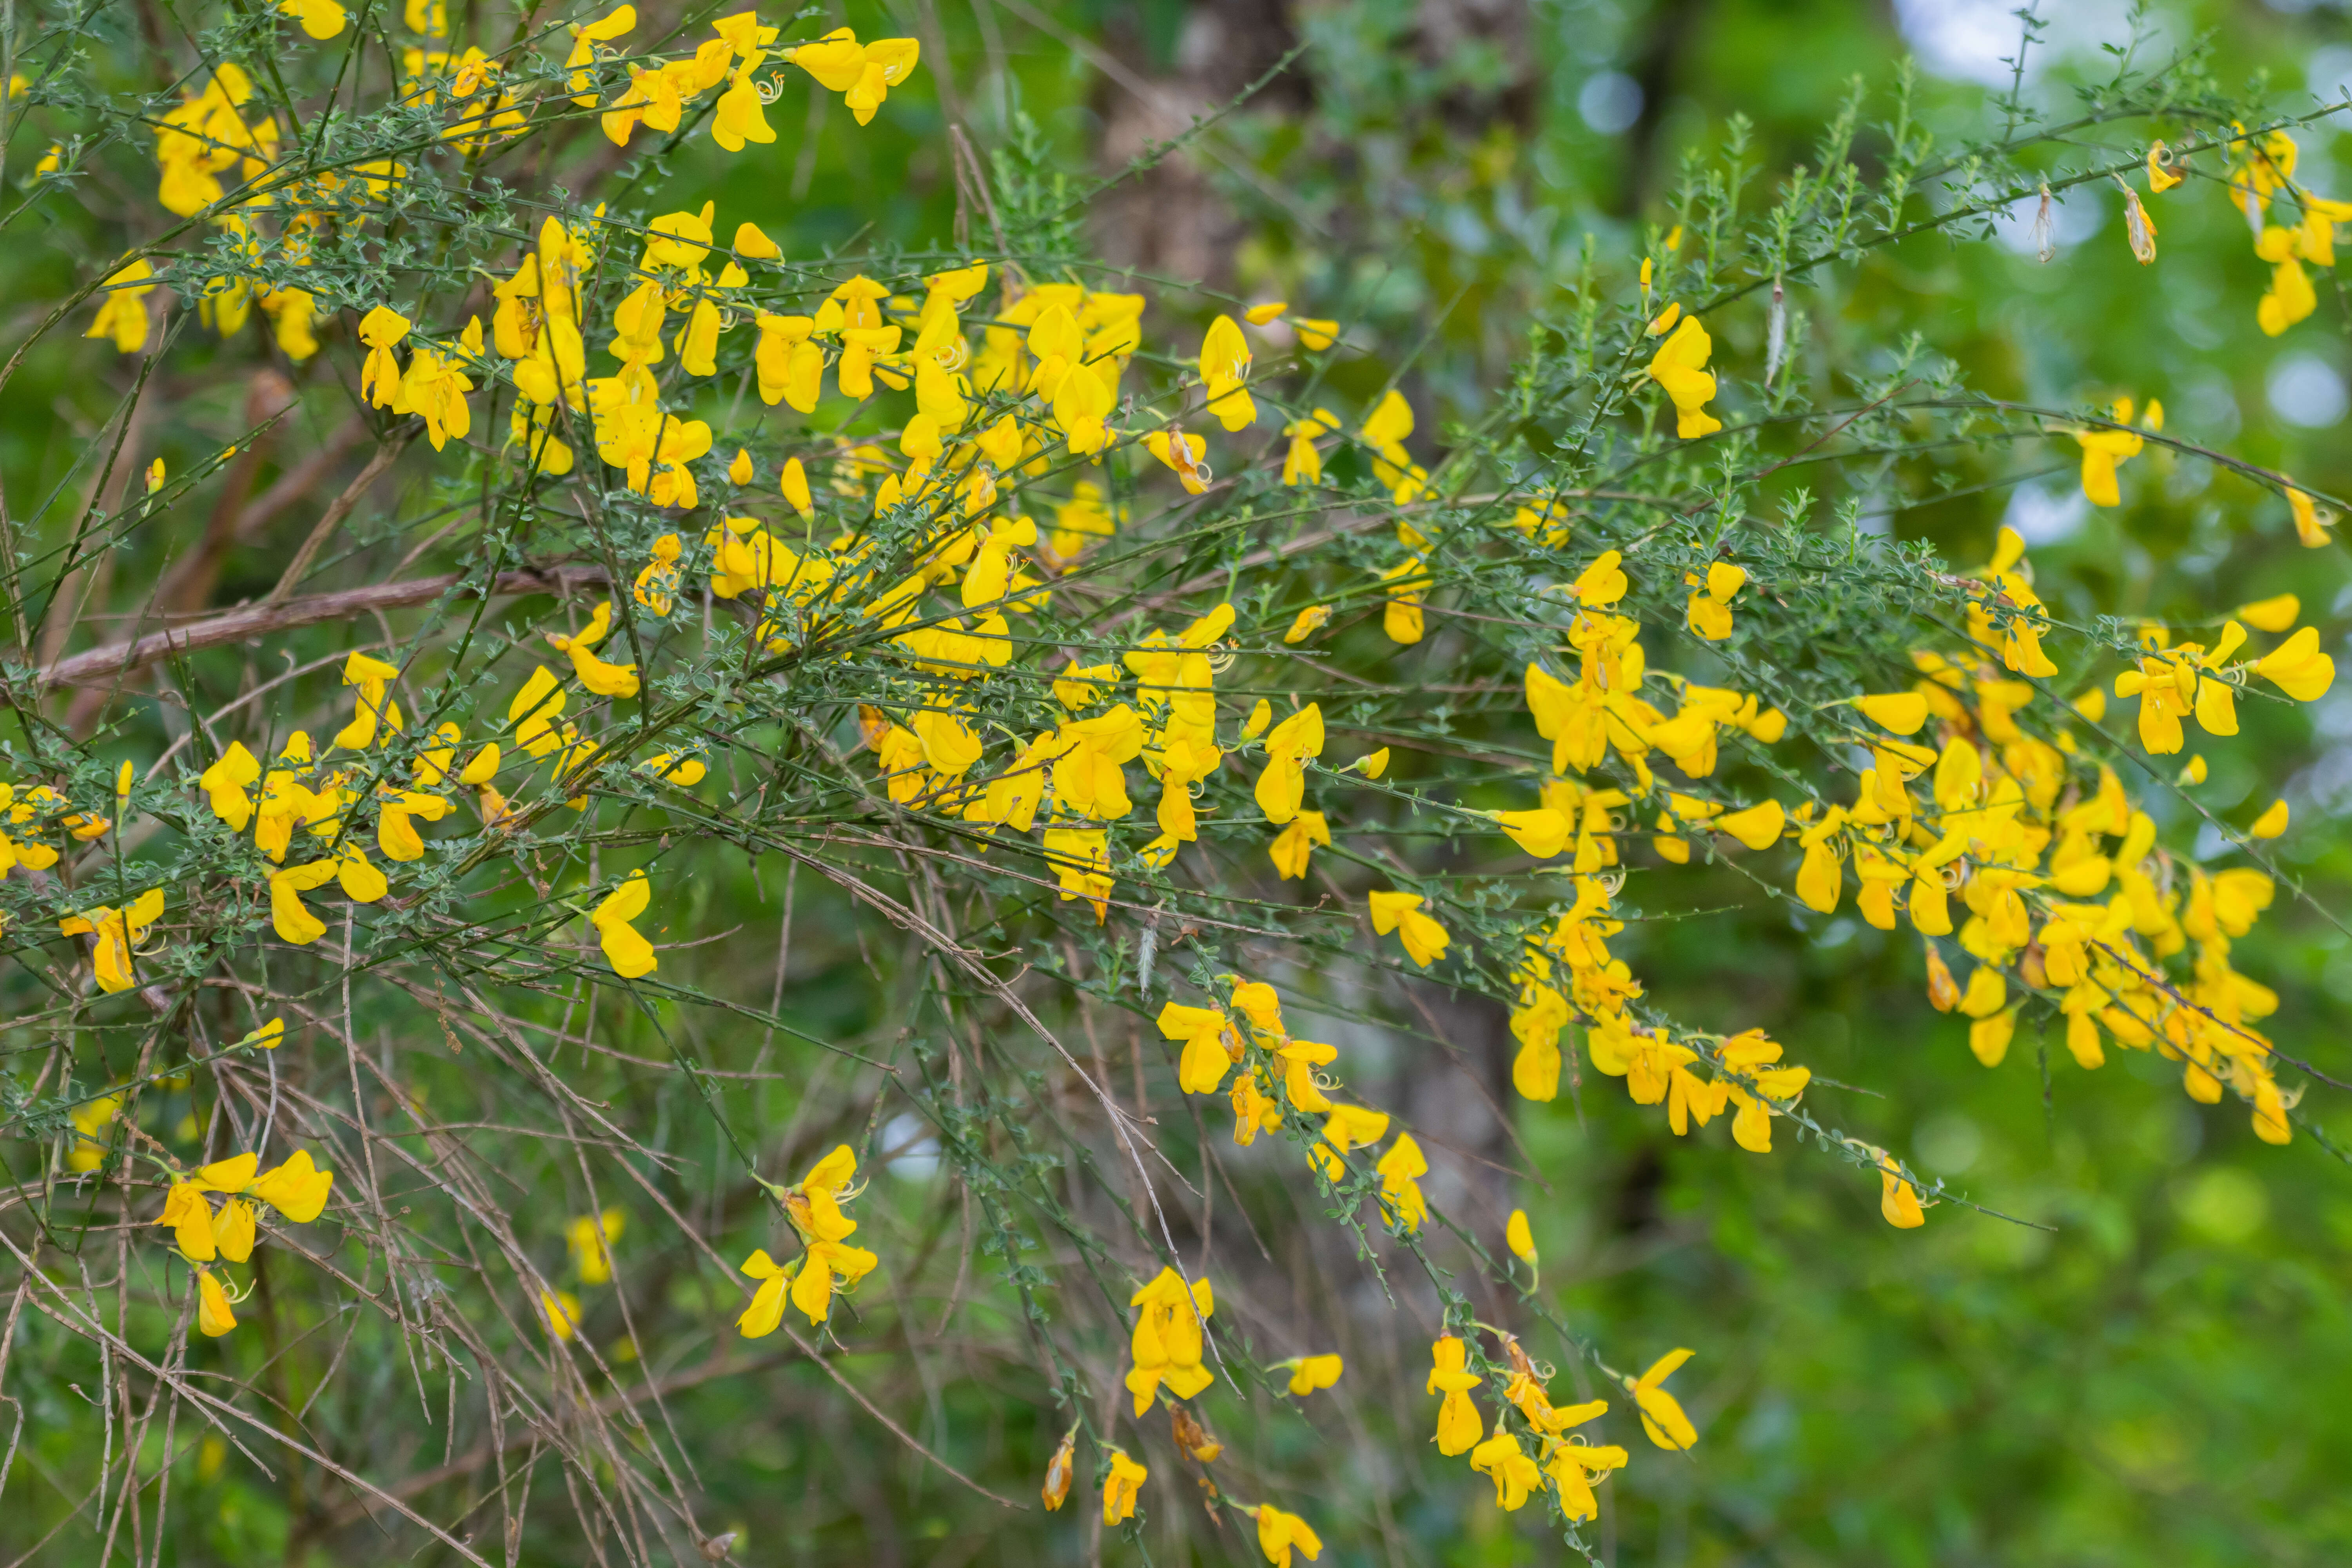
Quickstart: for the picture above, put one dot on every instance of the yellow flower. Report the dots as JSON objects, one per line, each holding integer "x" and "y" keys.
{"x": 629, "y": 954}
{"x": 602, "y": 678}
{"x": 323, "y": 19}
{"x": 2290, "y": 297}
{"x": 1901, "y": 711}
{"x": 2103, "y": 449}
{"x": 1294, "y": 843}
{"x": 1281, "y": 786}
{"x": 373, "y": 678}
{"x": 590, "y": 1238}
{"x": 1899, "y": 1200}
{"x": 288, "y": 915}
{"x": 233, "y": 1230}
{"x": 1757, "y": 827}
{"x": 814, "y": 1208}
{"x": 380, "y": 330}
{"x": 2160, "y": 177}
{"x": 89, "y": 1119}
{"x": 296, "y": 1189}
{"x": 1278, "y": 1531}
{"x": 1519, "y": 1238}
{"x": 1224, "y": 366}
{"x": 1302, "y": 462}
{"x": 561, "y": 1309}
{"x": 213, "y": 1317}
{"x": 1346, "y": 1127}
{"x": 1709, "y": 611}
{"x": 1201, "y": 1067}
{"x": 1573, "y": 1467}
{"x": 2311, "y": 525}
{"x": 2272, "y": 614}
{"x": 1679, "y": 367}
{"x": 1181, "y": 453}
{"x": 1168, "y": 1340}
{"x": 1424, "y": 940}
{"x": 118, "y": 933}
{"x": 396, "y": 833}
{"x": 766, "y": 1312}
{"x": 1602, "y": 583}
{"x": 533, "y": 713}
{"x": 1399, "y": 1169}
{"x": 1307, "y": 622}
{"x": 2298, "y": 668}
{"x": 1121, "y": 1486}
{"x": 739, "y": 116}
{"x": 1543, "y": 834}
{"x": 1514, "y": 1473}
{"x": 1387, "y": 426}
{"x": 1310, "y": 1373}
{"x": 122, "y": 312}
{"x": 2271, "y": 822}
{"x": 585, "y": 37}
{"x": 862, "y": 74}
{"x": 1314, "y": 332}
{"x": 1662, "y": 1417}
{"x": 1459, "y": 1426}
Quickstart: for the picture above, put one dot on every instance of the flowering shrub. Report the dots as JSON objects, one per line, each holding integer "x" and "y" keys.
{"x": 1066, "y": 635}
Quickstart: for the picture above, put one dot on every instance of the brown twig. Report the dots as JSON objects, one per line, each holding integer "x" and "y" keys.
{"x": 386, "y": 456}
{"x": 257, "y": 620}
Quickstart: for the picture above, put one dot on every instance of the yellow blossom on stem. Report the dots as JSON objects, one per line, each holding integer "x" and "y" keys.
{"x": 1224, "y": 366}
{"x": 1679, "y": 367}
{"x": 1278, "y": 1531}
{"x": 380, "y": 329}
{"x": 1662, "y": 1416}
{"x": 1400, "y": 1171}
{"x": 1459, "y": 1426}
{"x": 2298, "y": 668}
{"x": 2103, "y": 449}
{"x": 1168, "y": 1340}
{"x": 2312, "y": 523}
{"x": 1346, "y": 1127}
{"x": 863, "y": 74}
{"x": 628, "y": 952}
{"x": 1302, "y": 461}
{"x": 1202, "y": 1069}
{"x": 2290, "y": 297}
{"x": 1310, "y": 1373}
{"x": 1307, "y": 622}
{"x": 1122, "y": 1483}
{"x": 590, "y": 1238}
{"x": 213, "y": 1315}
{"x": 1183, "y": 454}
{"x": 1709, "y": 614}
{"x": 1424, "y": 940}
{"x": 117, "y": 934}
{"x": 1515, "y": 1475}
